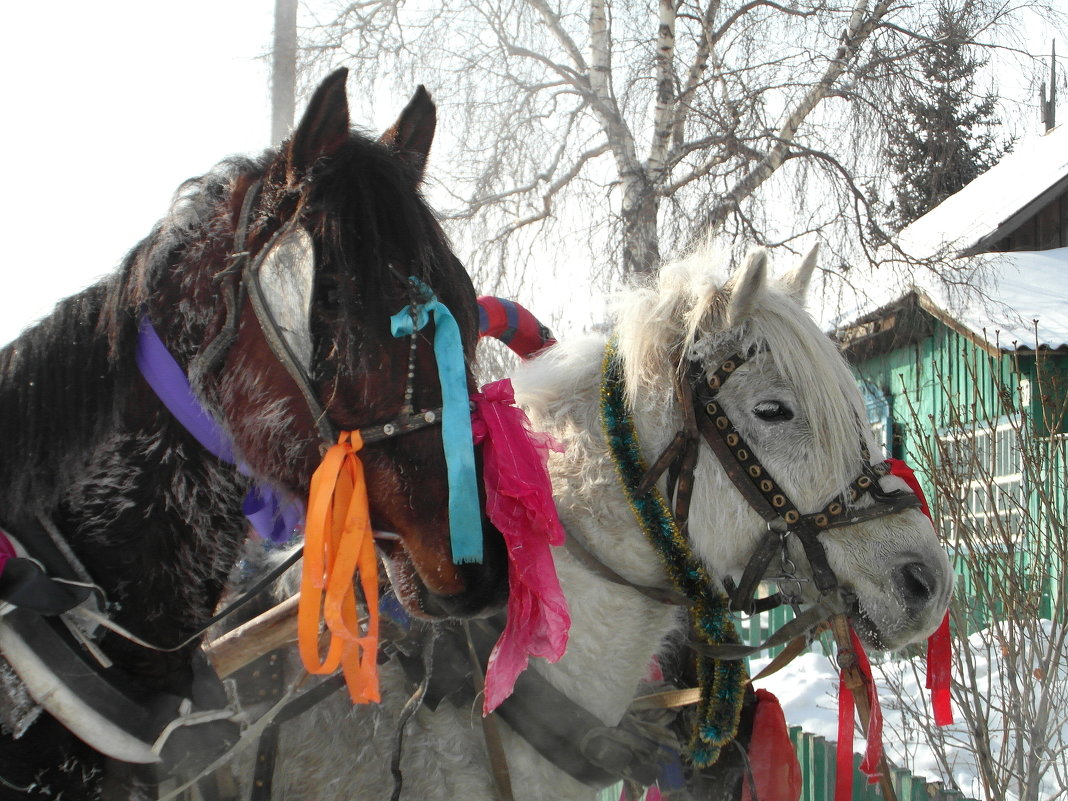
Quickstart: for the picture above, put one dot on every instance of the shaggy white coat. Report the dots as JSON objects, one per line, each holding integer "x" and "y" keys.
{"x": 342, "y": 753}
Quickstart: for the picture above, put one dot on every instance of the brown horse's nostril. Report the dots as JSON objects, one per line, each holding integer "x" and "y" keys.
{"x": 917, "y": 584}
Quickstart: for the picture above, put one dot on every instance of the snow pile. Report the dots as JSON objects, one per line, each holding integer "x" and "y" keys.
{"x": 808, "y": 691}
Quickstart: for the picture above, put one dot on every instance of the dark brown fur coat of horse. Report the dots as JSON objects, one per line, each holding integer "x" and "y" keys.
{"x": 88, "y": 451}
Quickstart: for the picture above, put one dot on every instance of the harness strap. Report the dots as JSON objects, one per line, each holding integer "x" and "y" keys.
{"x": 664, "y": 595}
{"x": 801, "y": 626}
{"x": 796, "y": 647}
{"x": 756, "y": 568}
{"x": 498, "y": 759}
{"x": 565, "y": 733}
{"x": 232, "y": 290}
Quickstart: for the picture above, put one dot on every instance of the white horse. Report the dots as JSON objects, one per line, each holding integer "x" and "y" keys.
{"x": 796, "y": 404}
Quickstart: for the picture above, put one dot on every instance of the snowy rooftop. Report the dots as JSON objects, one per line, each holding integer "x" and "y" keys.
{"x": 1012, "y": 300}
{"x": 993, "y": 204}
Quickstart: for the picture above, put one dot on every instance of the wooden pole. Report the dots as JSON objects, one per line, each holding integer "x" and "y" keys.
{"x": 261, "y": 635}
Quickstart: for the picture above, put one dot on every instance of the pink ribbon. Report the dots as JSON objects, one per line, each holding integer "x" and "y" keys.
{"x": 519, "y": 501}
{"x": 7, "y": 551}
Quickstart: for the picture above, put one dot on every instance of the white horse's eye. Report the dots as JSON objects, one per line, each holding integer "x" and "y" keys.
{"x": 773, "y": 411}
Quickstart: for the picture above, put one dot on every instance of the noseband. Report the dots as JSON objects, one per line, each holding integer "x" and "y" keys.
{"x": 705, "y": 418}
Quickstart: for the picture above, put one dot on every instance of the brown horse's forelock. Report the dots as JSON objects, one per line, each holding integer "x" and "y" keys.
{"x": 377, "y": 228}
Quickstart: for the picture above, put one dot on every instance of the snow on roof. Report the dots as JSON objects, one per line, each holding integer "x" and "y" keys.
{"x": 993, "y": 203}
{"x": 1013, "y": 300}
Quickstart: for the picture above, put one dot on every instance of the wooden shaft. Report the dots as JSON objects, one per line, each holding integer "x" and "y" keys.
{"x": 261, "y": 635}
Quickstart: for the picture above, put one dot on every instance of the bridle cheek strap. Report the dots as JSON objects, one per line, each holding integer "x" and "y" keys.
{"x": 338, "y": 544}
{"x": 465, "y": 519}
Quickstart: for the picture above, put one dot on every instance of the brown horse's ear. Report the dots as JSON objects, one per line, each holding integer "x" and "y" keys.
{"x": 411, "y": 135}
{"x": 323, "y": 128}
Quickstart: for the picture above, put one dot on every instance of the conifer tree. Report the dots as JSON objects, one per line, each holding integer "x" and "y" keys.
{"x": 944, "y": 137}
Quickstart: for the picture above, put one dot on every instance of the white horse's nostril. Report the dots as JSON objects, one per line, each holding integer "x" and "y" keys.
{"x": 917, "y": 584}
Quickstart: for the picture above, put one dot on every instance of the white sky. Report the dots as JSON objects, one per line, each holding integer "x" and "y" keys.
{"x": 107, "y": 108}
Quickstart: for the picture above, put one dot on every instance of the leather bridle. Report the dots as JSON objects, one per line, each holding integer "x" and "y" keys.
{"x": 705, "y": 418}
{"x": 405, "y": 421}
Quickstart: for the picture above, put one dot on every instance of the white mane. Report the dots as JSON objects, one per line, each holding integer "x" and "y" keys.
{"x": 682, "y": 317}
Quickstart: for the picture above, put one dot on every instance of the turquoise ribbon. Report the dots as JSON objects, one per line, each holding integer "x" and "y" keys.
{"x": 465, "y": 518}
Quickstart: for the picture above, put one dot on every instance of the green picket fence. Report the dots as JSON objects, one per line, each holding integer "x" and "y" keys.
{"x": 818, "y": 759}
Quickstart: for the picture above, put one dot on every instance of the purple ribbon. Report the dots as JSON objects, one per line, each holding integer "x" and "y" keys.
{"x": 273, "y": 515}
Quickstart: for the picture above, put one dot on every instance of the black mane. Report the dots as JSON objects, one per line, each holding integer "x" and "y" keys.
{"x": 66, "y": 381}
{"x": 90, "y": 456}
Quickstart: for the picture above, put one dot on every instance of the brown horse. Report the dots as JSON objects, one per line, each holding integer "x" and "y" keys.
{"x": 270, "y": 285}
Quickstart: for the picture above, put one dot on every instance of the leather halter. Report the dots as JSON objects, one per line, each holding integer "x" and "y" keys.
{"x": 407, "y": 419}
{"x": 705, "y": 418}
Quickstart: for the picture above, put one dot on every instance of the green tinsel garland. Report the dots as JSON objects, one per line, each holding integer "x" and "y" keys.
{"x": 722, "y": 682}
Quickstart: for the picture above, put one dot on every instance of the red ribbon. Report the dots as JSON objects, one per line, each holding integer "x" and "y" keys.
{"x": 939, "y": 672}
{"x": 519, "y": 501}
{"x": 843, "y": 774}
{"x": 939, "y": 644}
{"x": 843, "y": 787}
{"x": 776, "y": 772}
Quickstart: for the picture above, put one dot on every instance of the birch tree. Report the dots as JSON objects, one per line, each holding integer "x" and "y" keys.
{"x": 619, "y": 133}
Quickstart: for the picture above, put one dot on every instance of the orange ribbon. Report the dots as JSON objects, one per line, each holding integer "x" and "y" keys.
{"x": 338, "y": 544}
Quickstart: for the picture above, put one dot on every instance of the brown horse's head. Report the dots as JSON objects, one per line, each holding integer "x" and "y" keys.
{"x": 338, "y": 221}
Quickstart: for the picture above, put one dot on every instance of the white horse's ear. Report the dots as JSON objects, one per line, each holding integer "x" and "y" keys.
{"x": 795, "y": 283}
{"x": 746, "y": 285}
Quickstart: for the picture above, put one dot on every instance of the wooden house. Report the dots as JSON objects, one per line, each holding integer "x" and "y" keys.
{"x": 967, "y": 379}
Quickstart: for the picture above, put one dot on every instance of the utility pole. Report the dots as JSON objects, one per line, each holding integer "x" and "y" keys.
{"x": 283, "y": 69}
{"x": 1049, "y": 106}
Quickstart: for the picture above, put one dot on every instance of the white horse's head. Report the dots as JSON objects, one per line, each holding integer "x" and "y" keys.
{"x": 797, "y": 410}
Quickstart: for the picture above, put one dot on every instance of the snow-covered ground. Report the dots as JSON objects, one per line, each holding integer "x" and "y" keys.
{"x": 808, "y": 690}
